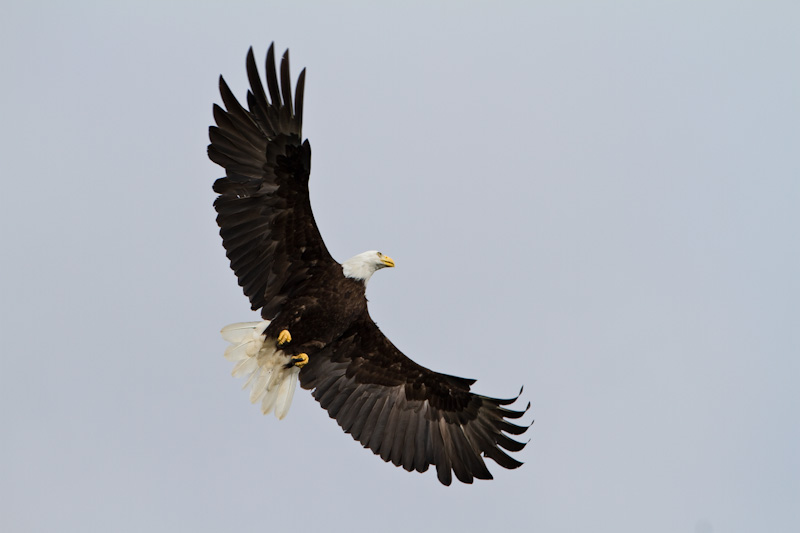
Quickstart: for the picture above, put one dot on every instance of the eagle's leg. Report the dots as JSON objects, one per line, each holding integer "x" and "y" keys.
{"x": 284, "y": 337}
{"x": 300, "y": 360}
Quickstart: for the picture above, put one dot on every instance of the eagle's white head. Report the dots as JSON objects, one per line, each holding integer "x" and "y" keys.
{"x": 364, "y": 265}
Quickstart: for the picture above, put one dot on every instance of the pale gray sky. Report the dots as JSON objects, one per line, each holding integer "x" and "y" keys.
{"x": 596, "y": 200}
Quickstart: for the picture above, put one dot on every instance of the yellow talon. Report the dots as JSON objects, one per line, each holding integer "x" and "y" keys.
{"x": 284, "y": 337}
{"x": 300, "y": 360}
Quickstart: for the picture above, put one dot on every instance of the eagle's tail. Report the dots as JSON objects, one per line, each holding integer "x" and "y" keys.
{"x": 263, "y": 364}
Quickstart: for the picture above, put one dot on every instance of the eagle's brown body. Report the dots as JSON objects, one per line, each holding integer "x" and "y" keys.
{"x": 320, "y": 314}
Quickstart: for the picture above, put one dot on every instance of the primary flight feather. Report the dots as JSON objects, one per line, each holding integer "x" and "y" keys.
{"x": 316, "y": 326}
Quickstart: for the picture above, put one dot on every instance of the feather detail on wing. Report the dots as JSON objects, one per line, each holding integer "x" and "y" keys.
{"x": 264, "y": 211}
{"x": 407, "y": 414}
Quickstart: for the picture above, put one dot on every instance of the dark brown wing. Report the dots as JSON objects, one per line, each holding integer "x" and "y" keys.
{"x": 407, "y": 414}
{"x": 264, "y": 212}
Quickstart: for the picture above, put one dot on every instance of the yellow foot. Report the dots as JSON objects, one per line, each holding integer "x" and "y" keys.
{"x": 284, "y": 337}
{"x": 300, "y": 360}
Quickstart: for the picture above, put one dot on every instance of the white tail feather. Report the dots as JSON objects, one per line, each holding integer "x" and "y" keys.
{"x": 285, "y": 395}
{"x": 264, "y": 365}
{"x": 268, "y": 403}
{"x": 245, "y": 367}
{"x": 237, "y": 332}
{"x": 260, "y": 385}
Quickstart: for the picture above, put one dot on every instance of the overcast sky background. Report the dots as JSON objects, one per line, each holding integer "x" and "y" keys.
{"x": 598, "y": 200}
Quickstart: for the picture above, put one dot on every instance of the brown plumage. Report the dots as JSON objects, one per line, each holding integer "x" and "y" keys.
{"x": 405, "y": 413}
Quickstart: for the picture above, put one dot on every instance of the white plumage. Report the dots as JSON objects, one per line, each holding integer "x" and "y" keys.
{"x": 264, "y": 365}
{"x": 365, "y": 264}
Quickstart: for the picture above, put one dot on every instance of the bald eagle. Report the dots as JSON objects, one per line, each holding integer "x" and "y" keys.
{"x": 316, "y": 326}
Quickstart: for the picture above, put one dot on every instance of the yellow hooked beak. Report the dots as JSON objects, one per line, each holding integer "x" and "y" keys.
{"x": 387, "y": 261}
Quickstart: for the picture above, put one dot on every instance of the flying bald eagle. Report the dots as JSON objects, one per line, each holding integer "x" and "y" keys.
{"x": 316, "y": 325}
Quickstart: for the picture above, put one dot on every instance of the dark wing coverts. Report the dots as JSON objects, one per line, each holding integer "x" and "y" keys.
{"x": 406, "y": 413}
{"x": 264, "y": 212}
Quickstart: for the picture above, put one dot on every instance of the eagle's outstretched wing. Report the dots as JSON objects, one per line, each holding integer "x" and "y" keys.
{"x": 264, "y": 212}
{"x": 407, "y": 414}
